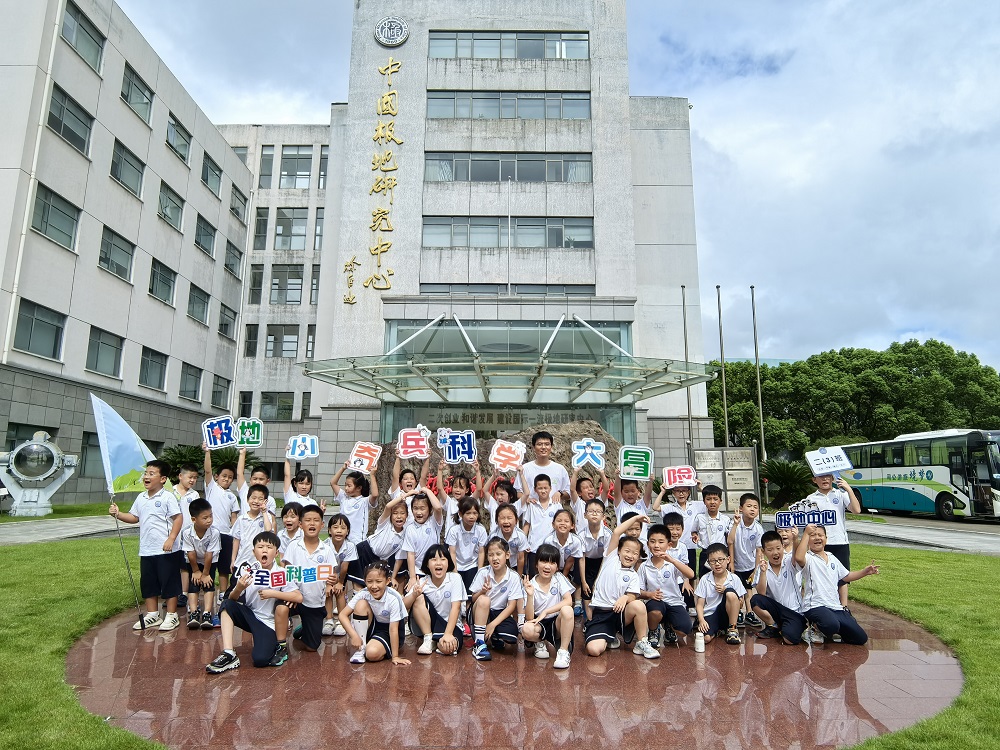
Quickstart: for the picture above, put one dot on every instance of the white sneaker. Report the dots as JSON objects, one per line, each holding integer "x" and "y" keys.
{"x": 692, "y": 612}
{"x": 328, "y": 626}
{"x": 813, "y": 635}
{"x": 150, "y": 620}
{"x": 358, "y": 657}
{"x": 540, "y": 651}
{"x": 644, "y": 648}
{"x": 562, "y": 659}
{"x": 427, "y": 647}
{"x": 170, "y": 622}
{"x": 220, "y": 598}
{"x": 614, "y": 643}
{"x": 338, "y": 629}
{"x": 406, "y": 628}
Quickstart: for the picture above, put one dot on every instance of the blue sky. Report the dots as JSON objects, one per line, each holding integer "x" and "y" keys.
{"x": 845, "y": 153}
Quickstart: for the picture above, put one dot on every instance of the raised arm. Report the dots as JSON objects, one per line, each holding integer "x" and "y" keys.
{"x": 387, "y": 511}
{"x": 208, "y": 463}
{"x": 853, "y": 504}
{"x": 442, "y": 495}
{"x": 241, "y": 467}
{"x": 288, "y": 475}
{"x": 335, "y": 481}
{"x": 396, "y": 469}
{"x": 619, "y": 530}
{"x": 373, "y": 481}
{"x": 803, "y": 548}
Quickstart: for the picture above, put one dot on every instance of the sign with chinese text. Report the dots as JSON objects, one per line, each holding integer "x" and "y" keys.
{"x": 507, "y": 456}
{"x": 364, "y": 456}
{"x": 800, "y": 519}
{"x": 680, "y": 476}
{"x": 413, "y": 442}
{"x": 588, "y": 451}
{"x": 828, "y": 461}
{"x": 249, "y": 433}
{"x": 635, "y": 462}
{"x": 302, "y": 446}
{"x": 219, "y": 432}
{"x": 457, "y": 446}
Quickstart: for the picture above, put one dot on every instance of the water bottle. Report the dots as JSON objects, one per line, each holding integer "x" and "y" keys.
{"x": 699, "y": 642}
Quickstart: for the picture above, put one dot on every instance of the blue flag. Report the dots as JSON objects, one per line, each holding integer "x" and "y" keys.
{"x": 123, "y": 453}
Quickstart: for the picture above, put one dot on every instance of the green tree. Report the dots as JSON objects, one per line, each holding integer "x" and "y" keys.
{"x": 788, "y": 481}
{"x": 193, "y": 455}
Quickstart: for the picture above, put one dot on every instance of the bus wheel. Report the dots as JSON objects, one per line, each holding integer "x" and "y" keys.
{"x": 945, "y": 506}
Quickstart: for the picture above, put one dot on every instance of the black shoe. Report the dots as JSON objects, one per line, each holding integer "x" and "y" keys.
{"x": 297, "y": 633}
{"x": 280, "y": 656}
{"x": 182, "y": 600}
{"x": 669, "y": 636}
{"x": 769, "y": 632}
{"x": 223, "y": 662}
{"x": 194, "y": 620}
{"x": 497, "y": 644}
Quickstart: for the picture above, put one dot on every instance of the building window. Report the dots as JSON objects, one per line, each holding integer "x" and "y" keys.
{"x": 204, "y": 235}
{"x": 286, "y": 284}
{"x": 211, "y": 175}
{"x": 161, "y": 282}
{"x": 171, "y": 206}
{"x": 314, "y": 285}
{"x": 116, "y": 254}
{"x": 296, "y": 164}
{"x": 234, "y": 259}
{"x": 55, "y": 217}
{"x": 318, "y": 237}
{"x": 241, "y": 153}
{"x": 238, "y": 204}
{"x": 153, "y": 369}
{"x": 306, "y": 404}
{"x": 523, "y": 167}
{"x": 324, "y": 163}
{"x": 91, "y": 462}
{"x": 491, "y": 231}
{"x": 290, "y": 229}
{"x": 70, "y": 120}
{"x": 266, "y": 167}
{"x": 136, "y": 94}
{"x": 190, "y": 382}
{"x": 220, "y": 392}
{"x": 127, "y": 168}
{"x": 497, "y": 105}
{"x": 104, "y": 353}
{"x": 521, "y": 45}
{"x": 246, "y": 404}
{"x": 22, "y": 433}
{"x": 83, "y": 36}
{"x": 276, "y": 406}
{"x": 250, "y": 340}
{"x": 256, "y": 284}
{"x": 39, "y": 330}
{"x": 227, "y": 322}
{"x": 178, "y": 138}
{"x": 310, "y": 341}
{"x": 260, "y": 230}
{"x": 282, "y": 341}
{"x": 198, "y": 302}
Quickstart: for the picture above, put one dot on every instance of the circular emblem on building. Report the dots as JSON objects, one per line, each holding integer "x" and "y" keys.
{"x": 391, "y": 31}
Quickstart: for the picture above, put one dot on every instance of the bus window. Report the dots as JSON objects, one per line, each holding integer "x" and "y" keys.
{"x": 939, "y": 452}
{"x": 877, "y": 460}
{"x": 854, "y": 456}
{"x": 921, "y": 454}
{"x": 894, "y": 455}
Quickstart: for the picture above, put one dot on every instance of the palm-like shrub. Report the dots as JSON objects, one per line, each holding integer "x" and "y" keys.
{"x": 788, "y": 481}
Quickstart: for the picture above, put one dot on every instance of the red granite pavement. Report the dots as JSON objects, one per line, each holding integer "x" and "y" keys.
{"x": 760, "y": 694}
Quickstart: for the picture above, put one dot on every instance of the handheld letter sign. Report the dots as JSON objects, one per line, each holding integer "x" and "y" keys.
{"x": 507, "y": 456}
{"x": 249, "y": 433}
{"x": 364, "y": 456}
{"x": 302, "y": 446}
{"x": 219, "y": 432}
{"x": 828, "y": 461}
{"x": 635, "y": 462}
{"x": 457, "y": 446}
{"x": 411, "y": 442}
{"x": 680, "y": 476}
{"x": 588, "y": 451}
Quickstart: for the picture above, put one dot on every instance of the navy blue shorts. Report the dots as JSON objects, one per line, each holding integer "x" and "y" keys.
{"x": 160, "y": 575}
{"x": 550, "y": 633}
{"x": 379, "y": 631}
{"x": 226, "y": 554}
{"x": 674, "y": 615}
{"x": 607, "y": 624}
{"x": 506, "y": 629}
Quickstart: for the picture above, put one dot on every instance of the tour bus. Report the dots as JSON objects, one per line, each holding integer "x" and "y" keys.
{"x": 952, "y": 473}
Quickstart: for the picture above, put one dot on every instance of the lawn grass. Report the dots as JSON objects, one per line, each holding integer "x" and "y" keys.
{"x": 865, "y": 517}
{"x": 40, "y": 617}
{"x": 63, "y": 511}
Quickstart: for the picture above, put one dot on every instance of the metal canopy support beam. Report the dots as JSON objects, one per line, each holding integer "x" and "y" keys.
{"x": 475, "y": 359}
{"x": 443, "y": 395}
{"x": 586, "y": 384}
{"x": 552, "y": 338}
{"x": 385, "y": 385}
{"x": 583, "y": 322}
{"x": 639, "y": 384}
{"x": 406, "y": 341}
{"x": 543, "y": 365}
{"x": 657, "y": 390}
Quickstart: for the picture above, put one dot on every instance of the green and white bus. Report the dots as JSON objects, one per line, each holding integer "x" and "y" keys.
{"x": 951, "y": 473}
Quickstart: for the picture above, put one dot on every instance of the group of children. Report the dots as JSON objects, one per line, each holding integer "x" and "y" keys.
{"x": 432, "y": 568}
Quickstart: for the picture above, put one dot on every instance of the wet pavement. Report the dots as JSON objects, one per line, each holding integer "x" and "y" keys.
{"x": 760, "y": 694}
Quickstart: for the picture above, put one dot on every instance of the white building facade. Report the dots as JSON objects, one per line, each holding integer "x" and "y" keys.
{"x": 505, "y": 237}
{"x": 122, "y": 239}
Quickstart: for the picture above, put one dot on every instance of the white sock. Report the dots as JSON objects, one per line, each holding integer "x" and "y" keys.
{"x": 427, "y": 638}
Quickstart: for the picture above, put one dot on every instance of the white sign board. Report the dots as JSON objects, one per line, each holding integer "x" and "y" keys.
{"x": 828, "y": 461}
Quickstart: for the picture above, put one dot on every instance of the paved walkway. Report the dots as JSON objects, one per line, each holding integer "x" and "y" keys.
{"x": 759, "y": 694}
{"x": 58, "y": 529}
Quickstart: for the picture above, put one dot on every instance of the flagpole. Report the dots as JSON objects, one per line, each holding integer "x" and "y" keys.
{"x": 131, "y": 578}
{"x": 722, "y": 357}
{"x": 756, "y": 356}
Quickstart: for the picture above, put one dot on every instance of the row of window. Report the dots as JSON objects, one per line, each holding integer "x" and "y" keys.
{"x": 282, "y": 341}
{"x": 286, "y": 284}
{"x": 502, "y": 45}
{"x": 492, "y": 231}
{"x": 40, "y": 331}
{"x": 516, "y": 290}
{"x": 296, "y": 167}
{"x": 275, "y": 406}
{"x": 504, "y": 105}
{"x": 290, "y": 227}
{"x": 522, "y": 167}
